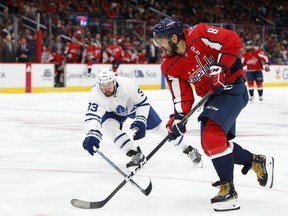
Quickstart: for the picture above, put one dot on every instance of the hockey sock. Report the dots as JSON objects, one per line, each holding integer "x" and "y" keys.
{"x": 241, "y": 156}
{"x": 260, "y": 92}
{"x": 251, "y": 92}
{"x": 224, "y": 167}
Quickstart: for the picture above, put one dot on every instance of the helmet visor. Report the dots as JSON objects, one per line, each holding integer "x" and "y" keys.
{"x": 159, "y": 41}
{"x": 249, "y": 47}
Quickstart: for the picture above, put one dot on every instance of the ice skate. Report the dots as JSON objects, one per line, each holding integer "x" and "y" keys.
{"x": 264, "y": 169}
{"x": 260, "y": 98}
{"x": 194, "y": 156}
{"x": 226, "y": 199}
{"x": 251, "y": 99}
{"x": 137, "y": 157}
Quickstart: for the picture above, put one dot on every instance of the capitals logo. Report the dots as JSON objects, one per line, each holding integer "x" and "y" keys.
{"x": 201, "y": 71}
{"x": 252, "y": 61}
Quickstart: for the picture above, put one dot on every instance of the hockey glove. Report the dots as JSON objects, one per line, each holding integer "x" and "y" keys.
{"x": 174, "y": 127}
{"x": 266, "y": 67}
{"x": 217, "y": 78}
{"x": 92, "y": 140}
{"x": 139, "y": 125}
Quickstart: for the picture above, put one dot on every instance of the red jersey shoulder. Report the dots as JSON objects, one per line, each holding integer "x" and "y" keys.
{"x": 194, "y": 32}
{"x": 257, "y": 51}
{"x": 254, "y": 52}
{"x": 167, "y": 63}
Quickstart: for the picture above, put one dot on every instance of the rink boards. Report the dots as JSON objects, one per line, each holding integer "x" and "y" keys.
{"x": 21, "y": 78}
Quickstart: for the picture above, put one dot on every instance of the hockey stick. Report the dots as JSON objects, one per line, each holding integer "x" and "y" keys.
{"x": 144, "y": 191}
{"x": 98, "y": 204}
{"x": 161, "y": 14}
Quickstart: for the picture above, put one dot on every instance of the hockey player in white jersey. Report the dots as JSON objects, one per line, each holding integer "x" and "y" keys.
{"x": 111, "y": 101}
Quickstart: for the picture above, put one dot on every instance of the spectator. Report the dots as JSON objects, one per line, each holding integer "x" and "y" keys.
{"x": 62, "y": 13}
{"x": 8, "y": 50}
{"x": 23, "y": 51}
{"x": 284, "y": 53}
{"x": 45, "y": 55}
{"x": 98, "y": 41}
{"x": 1, "y": 46}
{"x": 58, "y": 44}
{"x": 151, "y": 52}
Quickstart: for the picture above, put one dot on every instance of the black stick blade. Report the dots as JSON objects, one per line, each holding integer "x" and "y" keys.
{"x": 148, "y": 190}
{"x": 99, "y": 204}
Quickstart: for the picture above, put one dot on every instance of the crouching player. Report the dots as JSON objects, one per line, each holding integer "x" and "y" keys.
{"x": 114, "y": 99}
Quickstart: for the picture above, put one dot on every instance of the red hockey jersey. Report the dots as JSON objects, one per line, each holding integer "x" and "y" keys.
{"x": 56, "y": 59}
{"x": 111, "y": 53}
{"x": 73, "y": 52}
{"x": 205, "y": 45}
{"x": 254, "y": 59}
{"x": 92, "y": 53}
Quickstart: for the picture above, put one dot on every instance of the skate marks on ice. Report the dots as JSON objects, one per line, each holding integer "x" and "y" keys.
{"x": 43, "y": 165}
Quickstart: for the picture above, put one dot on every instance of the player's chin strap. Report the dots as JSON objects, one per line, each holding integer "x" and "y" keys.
{"x": 99, "y": 204}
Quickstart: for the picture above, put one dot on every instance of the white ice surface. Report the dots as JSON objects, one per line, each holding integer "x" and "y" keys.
{"x": 43, "y": 165}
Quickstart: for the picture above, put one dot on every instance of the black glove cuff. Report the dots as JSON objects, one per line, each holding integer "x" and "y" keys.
{"x": 177, "y": 116}
{"x": 224, "y": 68}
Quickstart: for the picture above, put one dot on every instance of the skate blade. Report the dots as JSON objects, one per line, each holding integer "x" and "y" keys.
{"x": 270, "y": 170}
{"x": 198, "y": 165}
{"x": 229, "y": 205}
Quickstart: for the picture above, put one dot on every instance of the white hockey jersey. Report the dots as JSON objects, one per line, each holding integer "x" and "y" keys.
{"x": 128, "y": 99}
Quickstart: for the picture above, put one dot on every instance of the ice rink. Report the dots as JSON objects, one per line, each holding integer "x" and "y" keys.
{"x": 43, "y": 165}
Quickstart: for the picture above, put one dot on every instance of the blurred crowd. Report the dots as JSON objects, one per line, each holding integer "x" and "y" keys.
{"x": 103, "y": 40}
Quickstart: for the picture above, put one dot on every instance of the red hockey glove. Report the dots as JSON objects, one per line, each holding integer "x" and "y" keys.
{"x": 174, "y": 127}
{"x": 217, "y": 78}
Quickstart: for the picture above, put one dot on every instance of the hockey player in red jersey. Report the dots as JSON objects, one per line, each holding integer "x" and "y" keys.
{"x": 72, "y": 51}
{"x": 141, "y": 57}
{"x": 58, "y": 59}
{"x": 113, "y": 54}
{"x": 91, "y": 55}
{"x": 255, "y": 60}
{"x": 206, "y": 56}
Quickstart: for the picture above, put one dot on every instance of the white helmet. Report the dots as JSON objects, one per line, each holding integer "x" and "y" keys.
{"x": 105, "y": 75}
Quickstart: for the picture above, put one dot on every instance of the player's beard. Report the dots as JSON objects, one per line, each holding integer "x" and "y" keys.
{"x": 108, "y": 93}
{"x": 172, "y": 50}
